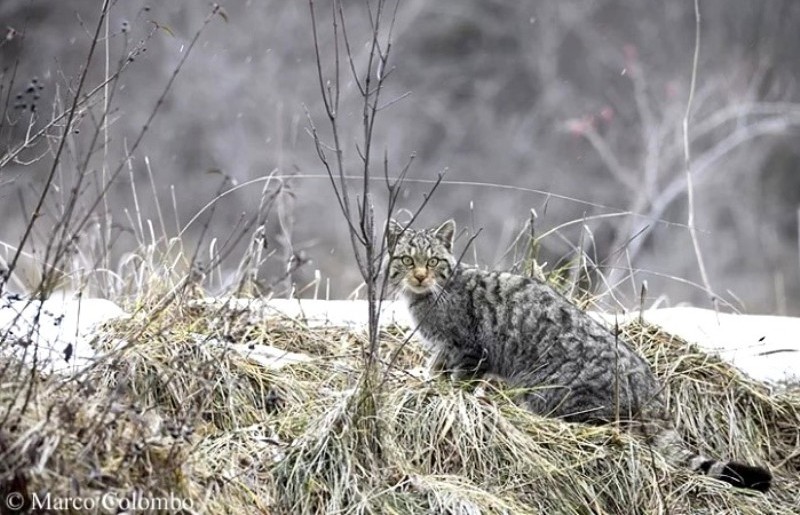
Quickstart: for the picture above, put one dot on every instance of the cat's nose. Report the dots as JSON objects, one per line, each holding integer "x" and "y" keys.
{"x": 420, "y": 274}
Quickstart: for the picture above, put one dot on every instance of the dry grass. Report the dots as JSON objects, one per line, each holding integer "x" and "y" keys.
{"x": 175, "y": 411}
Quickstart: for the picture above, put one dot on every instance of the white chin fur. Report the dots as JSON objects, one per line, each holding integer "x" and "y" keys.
{"x": 418, "y": 289}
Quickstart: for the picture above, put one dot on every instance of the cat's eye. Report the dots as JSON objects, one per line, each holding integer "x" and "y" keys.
{"x": 407, "y": 260}
{"x": 432, "y": 262}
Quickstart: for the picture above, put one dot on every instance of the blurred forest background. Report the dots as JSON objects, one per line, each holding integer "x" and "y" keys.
{"x": 582, "y": 99}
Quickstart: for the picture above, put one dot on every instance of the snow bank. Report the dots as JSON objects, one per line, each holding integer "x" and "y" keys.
{"x": 315, "y": 313}
{"x": 765, "y": 347}
{"x": 57, "y": 334}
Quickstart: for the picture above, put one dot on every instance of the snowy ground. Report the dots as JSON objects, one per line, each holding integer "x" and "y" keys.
{"x": 764, "y": 347}
{"x": 57, "y": 334}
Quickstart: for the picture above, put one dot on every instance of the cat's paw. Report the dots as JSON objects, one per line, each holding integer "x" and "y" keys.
{"x": 435, "y": 365}
{"x": 425, "y": 374}
{"x": 420, "y": 373}
{"x": 433, "y": 374}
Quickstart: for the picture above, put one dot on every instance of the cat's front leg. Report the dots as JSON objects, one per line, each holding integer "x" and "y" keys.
{"x": 437, "y": 363}
{"x": 468, "y": 364}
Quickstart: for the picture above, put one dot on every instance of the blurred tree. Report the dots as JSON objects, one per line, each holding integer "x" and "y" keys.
{"x": 581, "y": 98}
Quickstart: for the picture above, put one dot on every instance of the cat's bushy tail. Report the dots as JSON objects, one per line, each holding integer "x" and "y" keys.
{"x": 671, "y": 445}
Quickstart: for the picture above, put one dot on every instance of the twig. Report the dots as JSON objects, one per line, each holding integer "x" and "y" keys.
{"x": 61, "y": 143}
{"x": 688, "y": 161}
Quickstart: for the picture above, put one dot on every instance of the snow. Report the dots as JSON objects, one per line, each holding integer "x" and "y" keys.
{"x": 765, "y": 347}
{"x": 57, "y": 334}
{"x": 265, "y": 355}
{"x": 316, "y": 313}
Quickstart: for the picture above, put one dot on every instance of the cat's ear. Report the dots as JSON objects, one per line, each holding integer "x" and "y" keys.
{"x": 393, "y": 231}
{"x": 446, "y": 232}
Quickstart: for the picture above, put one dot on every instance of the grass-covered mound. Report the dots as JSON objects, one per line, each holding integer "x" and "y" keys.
{"x": 175, "y": 411}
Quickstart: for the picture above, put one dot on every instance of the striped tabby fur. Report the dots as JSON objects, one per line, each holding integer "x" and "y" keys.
{"x": 481, "y": 323}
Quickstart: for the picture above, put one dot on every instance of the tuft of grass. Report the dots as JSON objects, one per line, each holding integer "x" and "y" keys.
{"x": 173, "y": 410}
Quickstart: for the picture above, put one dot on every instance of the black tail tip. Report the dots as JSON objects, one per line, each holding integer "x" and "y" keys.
{"x": 746, "y": 476}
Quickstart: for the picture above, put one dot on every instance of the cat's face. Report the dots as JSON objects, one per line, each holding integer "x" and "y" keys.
{"x": 422, "y": 260}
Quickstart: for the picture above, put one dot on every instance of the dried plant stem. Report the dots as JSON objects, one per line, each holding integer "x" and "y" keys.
{"x": 37, "y": 212}
{"x": 687, "y": 159}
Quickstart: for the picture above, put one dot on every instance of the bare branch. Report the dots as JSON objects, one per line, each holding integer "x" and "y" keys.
{"x": 62, "y": 141}
{"x": 349, "y": 52}
{"x": 619, "y": 172}
{"x": 688, "y": 161}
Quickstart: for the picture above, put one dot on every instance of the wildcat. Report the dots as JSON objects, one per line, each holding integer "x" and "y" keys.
{"x": 481, "y": 323}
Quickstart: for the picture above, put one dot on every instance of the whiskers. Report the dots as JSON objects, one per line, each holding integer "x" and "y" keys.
{"x": 439, "y": 292}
